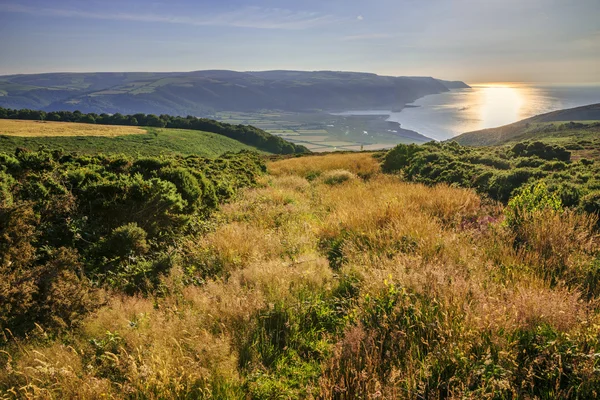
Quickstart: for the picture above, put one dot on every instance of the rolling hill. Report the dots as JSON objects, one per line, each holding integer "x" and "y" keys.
{"x": 111, "y": 139}
{"x": 576, "y": 122}
{"x": 202, "y": 93}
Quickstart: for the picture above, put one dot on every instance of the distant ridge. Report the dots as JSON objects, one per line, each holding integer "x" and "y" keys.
{"x": 202, "y": 93}
{"x": 518, "y": 130}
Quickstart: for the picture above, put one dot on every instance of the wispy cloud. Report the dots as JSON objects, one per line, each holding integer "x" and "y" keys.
{"x": 246, "y": 17}
{"x": 367, "y": 36}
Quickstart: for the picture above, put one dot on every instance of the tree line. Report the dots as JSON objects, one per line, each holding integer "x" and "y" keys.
{"x": 246, "y": 134}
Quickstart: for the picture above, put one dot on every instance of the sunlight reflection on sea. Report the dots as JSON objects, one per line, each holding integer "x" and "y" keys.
{"x": 446, "y": 115}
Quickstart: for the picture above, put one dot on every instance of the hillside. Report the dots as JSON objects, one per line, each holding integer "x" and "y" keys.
{"x": 538, "y": 127}
{"x": 202, "y": 93}
{"x": 248, "y": 135}
{"x": 109, "y": 139}
{"x": 320, "y": 278}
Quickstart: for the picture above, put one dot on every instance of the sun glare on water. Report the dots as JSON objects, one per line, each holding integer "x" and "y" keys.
{"x": 498, "y": 104}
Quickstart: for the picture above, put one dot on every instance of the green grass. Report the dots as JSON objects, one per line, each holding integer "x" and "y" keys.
{"x": 155, "y": 142}
{"x": 551, "y": 132}
{"x": 560, "y": 133}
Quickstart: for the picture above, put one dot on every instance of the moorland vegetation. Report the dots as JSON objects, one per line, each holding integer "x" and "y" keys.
{"x": 321, "y": 277}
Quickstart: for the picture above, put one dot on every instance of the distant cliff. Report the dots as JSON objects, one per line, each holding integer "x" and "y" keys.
{"x": 202, "y": 93}
{"x": 455, "y": 84}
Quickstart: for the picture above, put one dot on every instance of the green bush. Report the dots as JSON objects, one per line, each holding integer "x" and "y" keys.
{"x": 502, "y": 185}
{"x": 591, "y": 202}
{"x": 73, "y": 223}
{"x": 399, "y": 157}
{"x": 530, "y": 200}
{"x": 6, "y": 187}
{"x": 123, "y": 242}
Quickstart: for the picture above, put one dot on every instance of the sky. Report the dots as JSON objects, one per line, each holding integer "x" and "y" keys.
{"x": 555, "y": 41}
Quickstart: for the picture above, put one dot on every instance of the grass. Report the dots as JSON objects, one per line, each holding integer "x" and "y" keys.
{"x": 155, "y": 141}
{"x": 552, "y": 132}
{"x": 362, "y": 164}
{"x": 23, "y": 128}
{"x": 331, "y": 280}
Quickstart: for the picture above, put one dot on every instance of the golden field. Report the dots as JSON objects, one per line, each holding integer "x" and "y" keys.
{"x": 350, "y": 284}
{"x": 51, "y": 128}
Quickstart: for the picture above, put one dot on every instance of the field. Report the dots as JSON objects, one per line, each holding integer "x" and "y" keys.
{"x": 25, "y": 128}
{"x": 323, "y": 132}
{"x": 329, "y": 279}
{"x": 109, "y": 139}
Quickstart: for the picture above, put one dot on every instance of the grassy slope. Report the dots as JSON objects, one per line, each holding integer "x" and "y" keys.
{"x": 535, "y": 128}
{"x": 155, "y": 142}
{"x": 341, "y": 287}
{"x": 27, "y": 128}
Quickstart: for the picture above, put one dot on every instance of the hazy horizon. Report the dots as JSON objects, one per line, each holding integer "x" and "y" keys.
{"x": 542, "y": 41}
{"x": 446, "y": 78}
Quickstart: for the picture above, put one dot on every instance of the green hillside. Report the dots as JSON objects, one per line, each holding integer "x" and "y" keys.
{"x": 245, "y": 134}
{"x": 562, "y": 125}
{"x": 158, "y": 141}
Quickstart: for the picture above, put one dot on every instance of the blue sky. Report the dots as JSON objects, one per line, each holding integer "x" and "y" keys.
{"x": 470, "y": 40}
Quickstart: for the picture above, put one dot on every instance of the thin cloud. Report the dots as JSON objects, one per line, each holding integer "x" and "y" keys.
{"x": 368, "y": 36}
{"x": 360, "y": 18}
{"x": 247, "y": 17}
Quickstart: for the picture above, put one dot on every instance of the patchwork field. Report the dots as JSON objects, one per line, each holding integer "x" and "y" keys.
{"x": 327, "y": 132}
{"x": 50, "y": 129}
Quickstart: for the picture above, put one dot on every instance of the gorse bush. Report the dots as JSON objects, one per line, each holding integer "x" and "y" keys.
{"x": 70, "y": 223}
{"x": 498, "y": 172}
{"x": 531, "y": 200}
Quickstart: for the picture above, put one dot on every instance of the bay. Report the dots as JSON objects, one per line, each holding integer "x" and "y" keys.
{"x": 443, "y": 116}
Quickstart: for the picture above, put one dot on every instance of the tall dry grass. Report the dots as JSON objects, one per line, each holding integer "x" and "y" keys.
{"x": 351, "y": 288}
{"x": 362, "y": 164}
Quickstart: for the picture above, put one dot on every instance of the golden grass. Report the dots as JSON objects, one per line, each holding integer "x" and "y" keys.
{"x": 362, "y": 164}
{"x": 268, "y": 246}
{"x": 51, "y": 128}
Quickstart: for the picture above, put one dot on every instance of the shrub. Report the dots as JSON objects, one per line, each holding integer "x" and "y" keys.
{"x": 123, "y": 242}
{"x": 530, "y": 200}
{"x": 502, "y": 185}
{"x": 591, "y": 202}
{"x": 541, "y": 150}
{"x": 6, "y": 186}
{"x": 399, "y": 157}
{"x": 568, "y": 193}
{"x": 532, "y": 162}
{"x": 187, "y": 185}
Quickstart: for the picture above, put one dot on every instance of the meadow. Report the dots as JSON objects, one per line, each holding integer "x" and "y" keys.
{"x": 323, "y": 277}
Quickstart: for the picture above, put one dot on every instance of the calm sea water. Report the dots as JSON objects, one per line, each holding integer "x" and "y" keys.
{"x": 445, "y": 115}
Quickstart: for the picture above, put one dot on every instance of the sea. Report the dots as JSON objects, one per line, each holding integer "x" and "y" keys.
{"x": 443, "y": 116}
